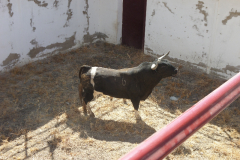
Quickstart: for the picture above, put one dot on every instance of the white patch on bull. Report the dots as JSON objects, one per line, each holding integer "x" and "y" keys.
{"x": 93, "y": 73}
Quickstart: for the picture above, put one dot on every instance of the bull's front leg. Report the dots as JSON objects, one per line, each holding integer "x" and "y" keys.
{"x": 135, "y": 103}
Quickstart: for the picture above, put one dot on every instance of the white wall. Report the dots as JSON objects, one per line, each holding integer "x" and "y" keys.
{"x": 31, "y": 29}
{"x": 202, "y": 33}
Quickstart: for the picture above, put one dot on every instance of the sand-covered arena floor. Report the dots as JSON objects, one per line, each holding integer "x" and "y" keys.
{"x": 41, "y": 116}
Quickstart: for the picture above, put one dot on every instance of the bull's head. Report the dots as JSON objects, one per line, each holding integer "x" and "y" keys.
{"x": 165, "y": 68}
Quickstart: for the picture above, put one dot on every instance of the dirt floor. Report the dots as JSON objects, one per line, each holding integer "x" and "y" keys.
{"x": 41, "y": 116}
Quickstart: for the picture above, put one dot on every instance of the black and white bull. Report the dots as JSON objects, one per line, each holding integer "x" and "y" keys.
{"x": 134, "y": 83}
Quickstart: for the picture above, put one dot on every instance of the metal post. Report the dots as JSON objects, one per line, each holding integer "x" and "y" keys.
{"x": 171, "y": 136}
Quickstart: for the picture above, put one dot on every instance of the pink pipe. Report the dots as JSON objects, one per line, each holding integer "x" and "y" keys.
{"x": 161, "y": 143}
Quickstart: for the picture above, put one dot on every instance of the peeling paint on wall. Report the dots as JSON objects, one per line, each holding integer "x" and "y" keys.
{"x": 165, "y": 4}
{"x": 153, "y": 13}
{"x": 149, "y": 50}
{"x": 39, "y": 3}
{"x": 69, "y": 14}
{"x": 230, "y": 16}
{"x": 188, "y": 64}
{"x": 67, "y": 44}
{"x": 204, "y": 35}
{"x": 69, "y": 3}
{"x": 200, "y": 8}
{"x": 87, "y": 38}
{"x": 234, "y": 69}
{"x": 31, "y": 24}
{"x": 9, "y": 5}
{"x": 34, "y": 28}
{"x": 55, "y": 3}
{"x": 11, "y": 59}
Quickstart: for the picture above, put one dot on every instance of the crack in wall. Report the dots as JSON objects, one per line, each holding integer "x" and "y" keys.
{"x": 68, "y": 43}
{"x": 85, "y": 12}
{"x": 165, "y": 4}
{"x": 12, "y": 58}
{"x": 69, "y": 14}
{"x": 230, "y": 16}
{"x": 31, "y": 24}
{"x": 39, "y": 3}
{"x": 197, "y": 29}
{"x": 9, "y": 5}
{"x": 200, "y": 8}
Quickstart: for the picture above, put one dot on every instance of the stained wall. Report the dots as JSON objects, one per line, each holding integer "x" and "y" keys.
{"x": 203, "y": 34}
{"x": 32, "y": 29}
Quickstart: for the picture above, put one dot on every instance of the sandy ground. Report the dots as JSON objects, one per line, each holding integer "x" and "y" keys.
{"x": 41, "y": 116}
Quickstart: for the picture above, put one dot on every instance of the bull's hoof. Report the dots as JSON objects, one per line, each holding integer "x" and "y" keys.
{"x": 138, "y": 117}
{"x": 92, "y": 115}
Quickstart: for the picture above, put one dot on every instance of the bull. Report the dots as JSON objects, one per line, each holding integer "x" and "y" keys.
{"x": 134, "y": 83}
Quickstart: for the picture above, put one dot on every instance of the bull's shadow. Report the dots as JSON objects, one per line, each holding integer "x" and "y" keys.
{"x": 110, "y": 130}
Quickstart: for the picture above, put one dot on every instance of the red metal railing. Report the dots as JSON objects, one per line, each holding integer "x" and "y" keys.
{"x": 171, "y": 136}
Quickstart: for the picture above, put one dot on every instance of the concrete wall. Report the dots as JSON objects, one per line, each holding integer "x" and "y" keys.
{"x": 205, "y": 33}
{"x": 31, "y": 29}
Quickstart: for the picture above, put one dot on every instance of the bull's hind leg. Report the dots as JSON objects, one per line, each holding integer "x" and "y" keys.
{"x": 84, "y": 108}
{"x": 88, "y": 96}
{"x": 90, "y": 111}
{"x": 135, "y": 103}
{"x": 80, "y": 91}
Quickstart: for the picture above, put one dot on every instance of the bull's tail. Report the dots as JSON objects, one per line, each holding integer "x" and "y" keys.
{"x": 80, "y": 89}
{"x": 83, "y": 69}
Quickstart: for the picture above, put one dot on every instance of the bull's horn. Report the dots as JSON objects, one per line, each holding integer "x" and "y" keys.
{"x": 160, "y": 58}
{"x": 154, "y": 66}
